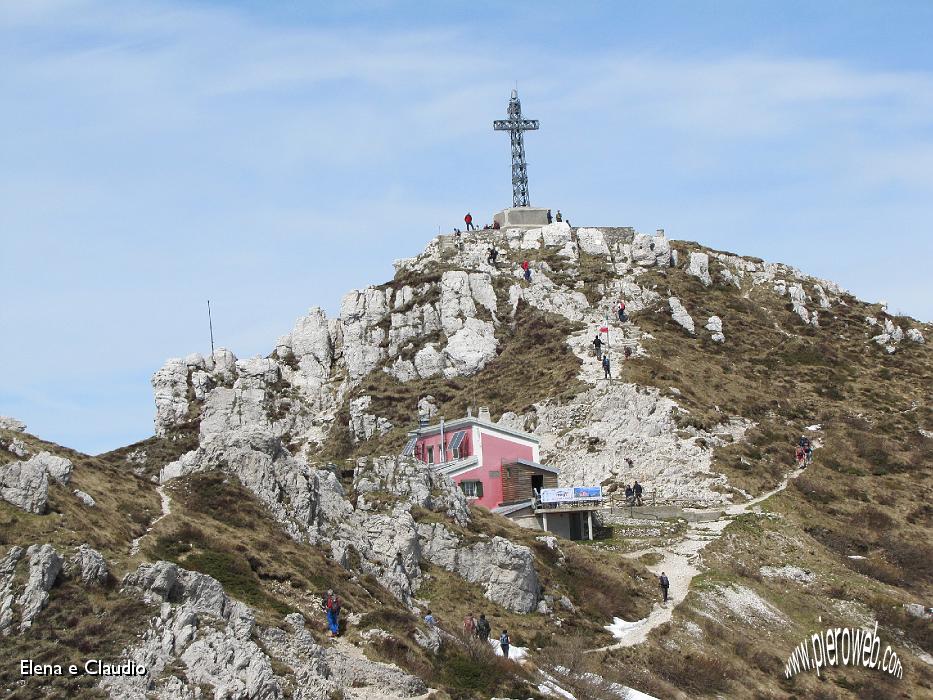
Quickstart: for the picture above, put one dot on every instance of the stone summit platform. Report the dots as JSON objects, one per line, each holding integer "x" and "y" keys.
{"x": 522, "y": 217}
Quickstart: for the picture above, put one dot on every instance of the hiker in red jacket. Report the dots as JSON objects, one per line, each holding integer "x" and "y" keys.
{"x": 468, "y": 219}
{"x": 527, "y": 270}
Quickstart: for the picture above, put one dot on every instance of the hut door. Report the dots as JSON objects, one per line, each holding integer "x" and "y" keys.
{"x": 537, "y": 483}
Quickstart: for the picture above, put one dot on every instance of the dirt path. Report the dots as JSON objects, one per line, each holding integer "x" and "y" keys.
{"x": 681, "y": 563}
{"x": 166, "y": 510}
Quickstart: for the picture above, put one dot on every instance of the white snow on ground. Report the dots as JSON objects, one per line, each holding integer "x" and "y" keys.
{"x": 620, "y": 628}
{"x": 515, "y": 653}
{"x": 814, "y": 428}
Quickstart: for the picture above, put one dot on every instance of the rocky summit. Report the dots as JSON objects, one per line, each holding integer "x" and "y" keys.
{"x": 197, "y": 560}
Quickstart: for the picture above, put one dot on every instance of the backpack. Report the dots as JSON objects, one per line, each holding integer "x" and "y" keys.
{"x": 482, "y": 626}
{"x": 504, "y": 639}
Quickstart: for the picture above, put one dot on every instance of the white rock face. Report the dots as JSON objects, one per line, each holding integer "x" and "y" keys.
{"x": 592, "y": 241}
{"x": 363, "y": 425}
{"x": 7, "y": 571}
{"x": 461, "y": 292}
{"x": 18, "y": 447}
{"x": 556, "y": 234}
{"x": 470, "y": 348}
{"x": 698, "y": 267}
{"x": 429, "y": 362}
{"x": 915, "y": 336}
{"x": 890, "y": 337}
{"x": 44, "y": 566}
{"x": 680, "y": 315}
{"x": 427, "y": 407}
{"x": 788, "y": 572}
{"x": 8, "y": 423}
{"x": 25, "y": 485}
{"x": 506, "y": 570}
{"x": 58, "y": 468}
{"x": 170, "y": 385}
{"x": 714, "y": 326}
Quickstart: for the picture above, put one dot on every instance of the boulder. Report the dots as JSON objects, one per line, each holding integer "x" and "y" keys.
{"x": 592, "y": 241}
{"x": 25, "y": 485}
{"x": 89, "y": 564}
{"x": 58, "y": 468}
{"x": 680, "y": 315}
{"x": 18, "y": 448}
{"x": 427, "y": 407}
{"x": 429, "y": 362}
{"x": 914, "y": 335}
{"x": 85, "y": 498}
{"x": 363, "y": 425}
{"x": 7, "y": 572}
{"x": 698, "y": 266}
{"x": 714, "y": 326}
{"x": 44, "y": 566}
{"x": 470, "y": 348}
{"x": 650, "y": 251}
{"x": 556, "y": 234}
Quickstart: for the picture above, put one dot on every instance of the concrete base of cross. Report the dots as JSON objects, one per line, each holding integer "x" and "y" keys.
{"x": 522, "y": 217}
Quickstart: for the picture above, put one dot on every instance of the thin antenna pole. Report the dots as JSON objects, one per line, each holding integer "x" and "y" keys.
{"x": 210, "y": 325}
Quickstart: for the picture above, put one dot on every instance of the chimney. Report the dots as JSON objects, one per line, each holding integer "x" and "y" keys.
{"x": 483, "y": 414}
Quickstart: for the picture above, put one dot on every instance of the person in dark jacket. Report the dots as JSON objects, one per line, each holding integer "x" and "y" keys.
{"x": 332, "y": 604}
{"x": 549, "y": 217}
{"x": 482, "y": 627}
{"x": 504, "y": 643}
{"x": 621, "y": 312}
{"x": 629, "y": 495}
{"x": 492, "y": 256}
{"x": 665, "y": 584}
{"x": 559, "y": 216}
{"x": 637, "y": 488}
{"x": 468, "y": 220}
{"x": 598, "y": 344}
{"x": 606, "y": 366}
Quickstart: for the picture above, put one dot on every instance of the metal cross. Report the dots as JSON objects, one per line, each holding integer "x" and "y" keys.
{"x": 516, "y": 126}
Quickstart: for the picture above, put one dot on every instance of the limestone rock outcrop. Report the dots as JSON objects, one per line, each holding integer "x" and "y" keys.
{"x": 9, "y": 423}
{"x": 714, "y": 326}
{"x": 7, "y": 597}
{"x": 89, "y": 565}
{"x": 506, "y": 570}
{"x": 650, "y": 251}
{"x": 698, "y": 266}
{"x": 592, "y": 241}
{"x": 680, "y": 315}
{"x": 363, "y": 425}
{"x": 45, "y": 564}
{"x": 25, "y": 485}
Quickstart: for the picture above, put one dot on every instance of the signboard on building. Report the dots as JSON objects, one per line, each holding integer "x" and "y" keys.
{"x": 571, "y": 493}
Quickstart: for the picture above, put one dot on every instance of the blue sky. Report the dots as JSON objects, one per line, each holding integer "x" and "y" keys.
{"x": 272, "y": 156}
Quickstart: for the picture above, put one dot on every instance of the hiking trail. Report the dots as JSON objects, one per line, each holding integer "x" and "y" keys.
{"x": 166, "y": 504}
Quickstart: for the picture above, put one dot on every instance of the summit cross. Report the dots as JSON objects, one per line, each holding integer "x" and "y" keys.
{"x": 516, "y": 126}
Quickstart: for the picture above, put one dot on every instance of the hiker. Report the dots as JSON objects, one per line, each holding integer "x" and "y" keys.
{"x": 558, "y": 218}
{"x": 468, "y": 219}
{"x": 627, "y": 351}
{"x": 665, "y": 584}
{"x": 606, "y": 366}
{"x": 637, "y": 488}
{"x": 807, "y": 448}
{"x": 469, "y": 625}
{"x": 331, "y": 604}
{"x": 430, "y": 620}
{"x": 491, "y": 256}
{"x": 800, "y": 455}
{"x": 527, "y": 268}
{"x": 482, "y": 627}
{"x": 504, "y": 643}
{"x": 598, "y": 344}
{"x": 629, "y": 495}
{"x": 496, "y": 225}
{"x": 549, "y": 217}
{"x": 621, "y": 312}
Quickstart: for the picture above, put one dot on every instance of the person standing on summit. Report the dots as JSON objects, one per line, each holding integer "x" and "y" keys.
{"x": 468, "y": 220}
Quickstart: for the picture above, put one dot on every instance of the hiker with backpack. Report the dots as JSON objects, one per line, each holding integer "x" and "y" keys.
{"x": 665, "y": 584}
{"x": 598, "y": 345}
{"x": 331, "y": 605}
{"x": 606, "y": 366}
{"x": 482, "y": 627}
{"x": 800, "y": 455}
{"x": 469, "y": 625}
{"x": 527, "y": 268}
{"x": 629, "y": 495}
{"x": 468, "y": 219}
{"x": 621, "y": 312}
{"x": 807, "y": 449}
{"x": 491, "y": 256}
{"x": 637, "y": 489}
{"x": 549, "y": 217}
{"x": 504, "y": 643}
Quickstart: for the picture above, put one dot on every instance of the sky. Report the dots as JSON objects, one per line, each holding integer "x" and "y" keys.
{"x": 272, "y": 156}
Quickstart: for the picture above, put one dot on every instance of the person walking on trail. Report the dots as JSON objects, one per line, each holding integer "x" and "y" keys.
{"x": 504, "y": 643}
{"x": 491, "y": 255}
{"x": 468, "y": 220}
{"x": 621, "y": 312}
{"x": 606, "y": 367}
{"x": 430, "y": 620}
{"x": 469, "y": 625}
{"x": 629, "y": 495}
{"x": 665, "y": 584}
{"x": 800, "y": 455}
{"x": 598, "y": 345}
{"x": 482, "y": 627}
{"x": 331, "y": 605}
{"x": 807, "y": 449}
{"x": 558, "y": 218}
{"x": 527, "y": 268}
{"x": 549, "y": 217}
{"x": 637, "y": 488}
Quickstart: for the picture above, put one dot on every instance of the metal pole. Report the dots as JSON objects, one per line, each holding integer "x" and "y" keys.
{"x": 443, "y": 448}
{"x": 210, "y": 325}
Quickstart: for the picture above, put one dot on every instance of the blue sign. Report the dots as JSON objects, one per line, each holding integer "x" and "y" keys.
{"x": 583, "y": 493}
